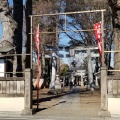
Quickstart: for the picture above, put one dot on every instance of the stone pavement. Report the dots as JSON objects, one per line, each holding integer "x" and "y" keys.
{"x": 75, "y": 104}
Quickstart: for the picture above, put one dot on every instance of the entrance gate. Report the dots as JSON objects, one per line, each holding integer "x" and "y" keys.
{"x": 103, "y": 109}
{"x": 27, "y": 93}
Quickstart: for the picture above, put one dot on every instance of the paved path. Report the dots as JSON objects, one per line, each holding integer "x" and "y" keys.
{"x": 73, "y": 104}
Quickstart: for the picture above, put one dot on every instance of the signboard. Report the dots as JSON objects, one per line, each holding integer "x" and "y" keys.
{"x": 2, "y": 67}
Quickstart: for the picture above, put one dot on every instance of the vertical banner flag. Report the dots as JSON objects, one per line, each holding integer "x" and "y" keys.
{"x": 37, "y": 38}
{"x": 98, "y": 35}
{"x": 37, "y": 43}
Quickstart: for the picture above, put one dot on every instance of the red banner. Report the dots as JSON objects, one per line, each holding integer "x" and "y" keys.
{"x": 98, "y": 35}
{"x": 37, "y": 43}
{"x": 37, "y": 38}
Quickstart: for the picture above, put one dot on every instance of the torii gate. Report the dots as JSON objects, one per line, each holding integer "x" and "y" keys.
{"x": 88, "y": 52}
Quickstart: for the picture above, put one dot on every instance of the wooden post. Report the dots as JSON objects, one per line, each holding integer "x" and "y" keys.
{"x": 104, "y": 99}
{"x": 102, "y": 28}
{"x": 31, "y": 41}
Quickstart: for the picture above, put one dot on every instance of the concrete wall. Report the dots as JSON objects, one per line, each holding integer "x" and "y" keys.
{"x": 114, "y": 106}
{"x": 12, "y": 104}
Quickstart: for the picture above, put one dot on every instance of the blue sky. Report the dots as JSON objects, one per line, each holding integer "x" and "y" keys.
{"x": 11, "y": 2}
{"x": 64, "y": 40}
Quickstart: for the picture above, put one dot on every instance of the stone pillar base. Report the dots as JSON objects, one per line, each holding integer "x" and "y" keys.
{"x": 28, "y": 112}
{"x": 52, "y": 92}
{"x": 104, "y": 113}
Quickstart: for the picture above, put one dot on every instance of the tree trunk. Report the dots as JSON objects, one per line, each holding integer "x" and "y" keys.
{"x": 116, "y": 26}
{"x": 117, "y": 47}
{"x": 28, "y": 12}
{"x": 18, "y": 16}
{"x": 115, "y": 6}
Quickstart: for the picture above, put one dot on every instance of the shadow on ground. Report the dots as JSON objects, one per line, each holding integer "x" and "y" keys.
{"x": 45, "y": 97}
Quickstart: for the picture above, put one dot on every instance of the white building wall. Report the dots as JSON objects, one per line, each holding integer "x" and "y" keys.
{"x": 114, "y": 106}
{"x": 12, "y": 104}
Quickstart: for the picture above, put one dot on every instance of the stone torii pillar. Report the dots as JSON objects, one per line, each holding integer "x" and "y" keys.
{"x": 90, "y": 73}
{"x": 82, "y": 80}
{"x": 53, "y": 75}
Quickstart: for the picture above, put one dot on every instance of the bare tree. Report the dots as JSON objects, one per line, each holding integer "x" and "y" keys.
{"x": 85, "y": 21}
{"x": 115, "y": 7}
{"x": 47, "y": 23}
{"x": 28, "y": 11}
